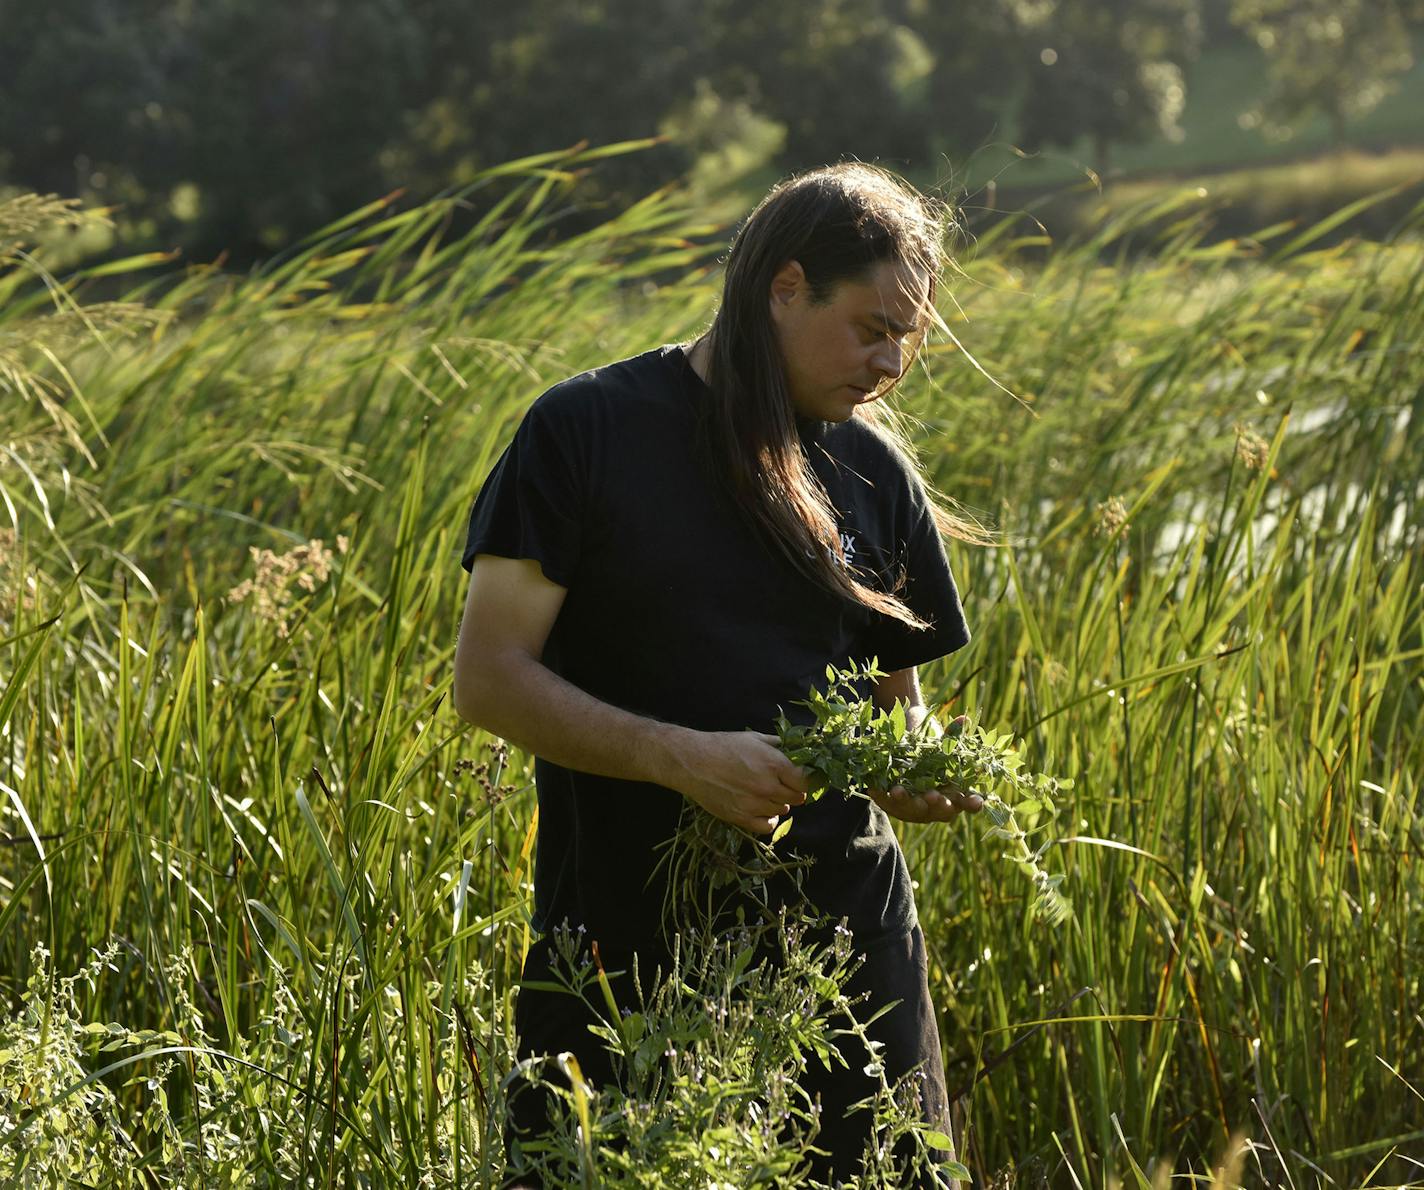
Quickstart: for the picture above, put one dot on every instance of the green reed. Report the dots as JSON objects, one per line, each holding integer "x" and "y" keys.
{"x": 309, "y": 882}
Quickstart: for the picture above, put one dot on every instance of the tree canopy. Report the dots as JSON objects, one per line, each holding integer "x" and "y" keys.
{"x": 237, "y": 125}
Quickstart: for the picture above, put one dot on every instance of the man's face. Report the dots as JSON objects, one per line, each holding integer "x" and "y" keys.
{"x": 848, "y": 350}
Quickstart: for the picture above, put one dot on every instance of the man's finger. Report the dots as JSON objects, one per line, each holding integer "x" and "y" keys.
{"x": 795, "y": 779}
{"x": 967, "y": 799}
{"x": 765, "y": 805}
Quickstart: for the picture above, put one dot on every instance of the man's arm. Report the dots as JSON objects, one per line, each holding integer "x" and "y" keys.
{"x": 502, "y": 685}
{"x": 903, "y": 686}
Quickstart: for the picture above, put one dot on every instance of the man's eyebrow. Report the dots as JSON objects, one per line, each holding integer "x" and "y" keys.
{"x": 899, "y": 328}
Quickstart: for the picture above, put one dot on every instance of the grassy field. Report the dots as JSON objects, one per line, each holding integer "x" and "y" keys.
{"x": 1251, "y": 181}
{"x": 1222, "y": 84}
{"x": 263, "y": 897}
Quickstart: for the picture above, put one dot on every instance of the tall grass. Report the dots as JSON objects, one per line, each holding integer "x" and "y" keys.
{"x": 307, "y": 882}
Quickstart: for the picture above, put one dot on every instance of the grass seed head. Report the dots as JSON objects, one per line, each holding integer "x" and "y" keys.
{"x": 1251, "y": 449}
{"x": 1112, "y": 516}
{"x": 269, "y": 591}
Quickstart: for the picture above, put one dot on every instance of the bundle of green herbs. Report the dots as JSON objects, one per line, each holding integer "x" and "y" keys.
{"x": 852, "y": 748}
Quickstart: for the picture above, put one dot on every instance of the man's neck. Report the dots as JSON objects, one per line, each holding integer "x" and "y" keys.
{"x": 698, "y": 356}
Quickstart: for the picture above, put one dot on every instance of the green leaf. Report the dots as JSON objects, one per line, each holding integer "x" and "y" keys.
{"x": 781, "y": 830}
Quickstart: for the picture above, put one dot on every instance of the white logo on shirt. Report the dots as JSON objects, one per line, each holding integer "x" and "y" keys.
{"x": 847, "y": 549}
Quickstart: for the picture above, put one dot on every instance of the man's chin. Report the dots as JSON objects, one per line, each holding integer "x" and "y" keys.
{"x": 832, "y": 413}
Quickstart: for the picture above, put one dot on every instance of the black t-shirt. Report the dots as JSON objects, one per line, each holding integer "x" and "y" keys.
{"x": 677, "y": 609}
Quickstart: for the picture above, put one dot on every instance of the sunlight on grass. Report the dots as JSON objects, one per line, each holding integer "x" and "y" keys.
{"x": 307, "y": 882}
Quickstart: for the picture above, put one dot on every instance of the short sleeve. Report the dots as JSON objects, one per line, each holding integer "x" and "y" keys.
{"x": 927, "y": 588}
{"x": 531, "y": 504}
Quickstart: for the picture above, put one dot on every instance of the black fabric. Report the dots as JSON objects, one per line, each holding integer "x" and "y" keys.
{"x": 897, "y": 970}
{"x": 549, "y": 1022}
{"x": 676, "y": 609}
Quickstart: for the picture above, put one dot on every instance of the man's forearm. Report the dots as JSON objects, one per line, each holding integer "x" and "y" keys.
{"x": 903, "y": 686}
{"x": 918, "y": 715}
{"x": 500, "y": 684}
{"x": 526, "y": 703}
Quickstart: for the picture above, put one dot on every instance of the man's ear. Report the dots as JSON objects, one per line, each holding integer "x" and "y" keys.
{"x": 787, "y": 286}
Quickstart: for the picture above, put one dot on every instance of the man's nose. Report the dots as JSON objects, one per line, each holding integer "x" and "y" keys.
{"x": 889, "y": 359}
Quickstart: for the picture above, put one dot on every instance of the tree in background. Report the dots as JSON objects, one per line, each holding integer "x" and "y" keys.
{"x": 286, "y": 111}
{"x": 1107, "y": 70}
{"x": 83, "y": 91}
{"x": 235, "y": 124}
{"x": 239, "y": 125}
{"x": 1336, "y": 58}
{"x": 547, "y": 74}
{"x": 838, "y": 75}
{"x": 974, "y": 82}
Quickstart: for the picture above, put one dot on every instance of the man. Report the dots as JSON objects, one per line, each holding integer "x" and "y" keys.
{"x": 673, "y": 548}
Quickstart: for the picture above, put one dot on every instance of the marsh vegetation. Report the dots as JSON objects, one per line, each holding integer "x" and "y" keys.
{"x": 263, "y": 897}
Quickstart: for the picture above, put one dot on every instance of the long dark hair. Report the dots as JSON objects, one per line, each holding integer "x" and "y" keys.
{"x": 839, "y": 223}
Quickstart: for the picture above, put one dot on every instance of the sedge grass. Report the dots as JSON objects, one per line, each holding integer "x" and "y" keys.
{"x": 281, "y": 839}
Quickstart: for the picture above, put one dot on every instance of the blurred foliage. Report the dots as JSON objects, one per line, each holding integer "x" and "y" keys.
{"x": 1334, "y": 57}
{"x": 229, "y": 579}
{"x": 1113, "y": 68}
{"x": 238, "y": 126}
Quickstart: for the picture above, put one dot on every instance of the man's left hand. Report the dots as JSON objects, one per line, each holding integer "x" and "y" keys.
{"x": 939, "y": 805}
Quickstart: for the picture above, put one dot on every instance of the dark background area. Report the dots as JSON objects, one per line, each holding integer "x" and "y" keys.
{"x": 236, "y": 126}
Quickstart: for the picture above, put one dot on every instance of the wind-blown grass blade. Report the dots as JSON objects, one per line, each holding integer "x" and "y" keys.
{"x": 1244, "y": 642}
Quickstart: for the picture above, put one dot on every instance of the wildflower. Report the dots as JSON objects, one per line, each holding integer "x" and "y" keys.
{"x": 1251, "y": 448}
{"x": 9, "y": 554}
{"x": 18, "y": 586}
{"x": 269, "y": 590}
{"x": 485, "y": 772}
{"x": 1112, "y": 517}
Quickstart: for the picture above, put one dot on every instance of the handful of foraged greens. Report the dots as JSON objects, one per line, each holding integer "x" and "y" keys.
{"x": 854, "y": 747}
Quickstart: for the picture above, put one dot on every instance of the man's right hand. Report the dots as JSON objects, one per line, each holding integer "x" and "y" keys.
{"x": 502, "y": 685}
{"x": 741, "y": 777}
